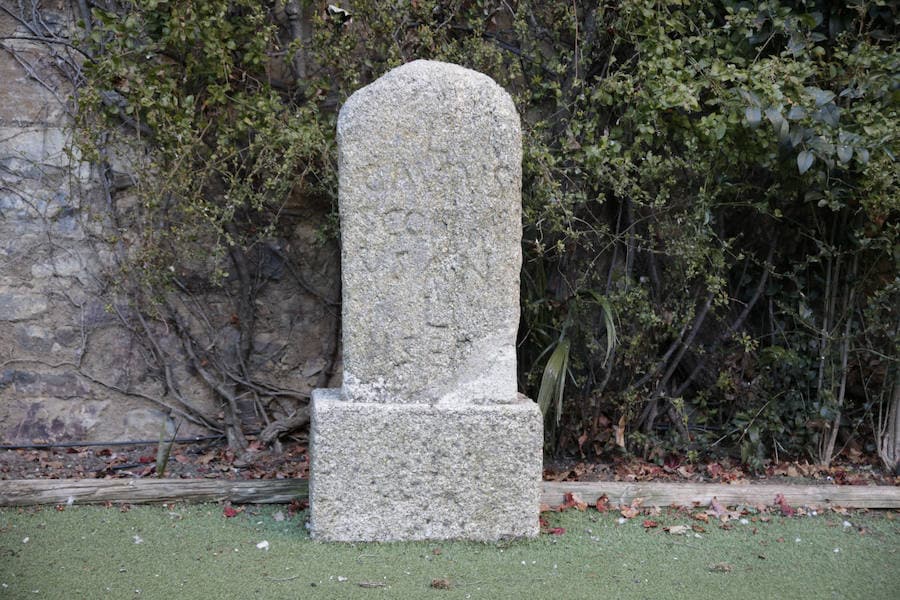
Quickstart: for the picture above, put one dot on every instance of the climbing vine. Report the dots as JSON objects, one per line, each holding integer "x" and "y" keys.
{"x": 710, "y": 194}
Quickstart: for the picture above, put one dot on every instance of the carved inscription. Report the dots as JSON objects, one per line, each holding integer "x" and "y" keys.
{"x": 430, "y": 222}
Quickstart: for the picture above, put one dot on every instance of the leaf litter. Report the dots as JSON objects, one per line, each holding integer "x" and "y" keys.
{"x": 726, "y": 517}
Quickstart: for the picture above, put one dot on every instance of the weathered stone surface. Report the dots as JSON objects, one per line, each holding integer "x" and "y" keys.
{"x": 428, "y": 438}
{"x": 418, "y": 471}
{"x": 56, "y": 266}
{"x": 430, "y": 202}
{"x": 45, "y": 419}
{"x": 18, "y": 306}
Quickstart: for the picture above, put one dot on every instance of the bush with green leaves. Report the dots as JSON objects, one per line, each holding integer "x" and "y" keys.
{"x": 710, "y": 189}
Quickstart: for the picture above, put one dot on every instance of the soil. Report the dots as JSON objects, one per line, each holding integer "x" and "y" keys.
{"x": 212, "y": 459}
{"x": 864, "y": 471}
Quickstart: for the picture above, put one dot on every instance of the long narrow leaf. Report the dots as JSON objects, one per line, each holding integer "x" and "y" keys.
{"x": 554, "y": 379}
{"x": 610, "y": 323}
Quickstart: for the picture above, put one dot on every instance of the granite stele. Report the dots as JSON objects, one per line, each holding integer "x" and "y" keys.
{"x": 427, "y": 438}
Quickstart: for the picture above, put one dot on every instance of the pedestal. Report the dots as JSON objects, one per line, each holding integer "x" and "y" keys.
{"x": 382, "y": 472}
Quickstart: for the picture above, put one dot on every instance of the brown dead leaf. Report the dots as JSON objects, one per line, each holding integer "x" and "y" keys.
{"x": 629, "y": 512}
{"x": 716, "y": 507}
{"x": 602, "y": 504}
{"x": 714, "y": 470}
{"x": 620, "y": 432}
{"x": 441, "y": 584}
{"x": 572, "y": 500}
{"x": 721, "y": 568}
{"x": 685, "y": 471}
{"x": 677, "y": 529}
{"x": 786, "y": 509}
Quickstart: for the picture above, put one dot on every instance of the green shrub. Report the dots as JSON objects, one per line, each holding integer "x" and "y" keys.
{"x": 710, "y": 189}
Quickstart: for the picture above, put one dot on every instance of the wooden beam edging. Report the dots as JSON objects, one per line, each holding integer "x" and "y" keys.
{"x": 687, "y": 494}
{"x": 27, "y": 492}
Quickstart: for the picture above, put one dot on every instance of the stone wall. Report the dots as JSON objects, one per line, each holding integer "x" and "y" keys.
{"x": 70, "y": 368}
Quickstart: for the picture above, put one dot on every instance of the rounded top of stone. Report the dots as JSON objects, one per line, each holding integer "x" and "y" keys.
{"x": 451, "y": 83}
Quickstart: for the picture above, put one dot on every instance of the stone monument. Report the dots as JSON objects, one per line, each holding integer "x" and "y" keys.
{"x": 428, "y": 438}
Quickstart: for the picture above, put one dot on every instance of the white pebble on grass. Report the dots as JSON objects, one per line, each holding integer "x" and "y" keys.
{"x": 263, "y": 545}
{"x": 836, "y": 550}
{"x": 848, "y": 524}
{"x": 138, "y": 539}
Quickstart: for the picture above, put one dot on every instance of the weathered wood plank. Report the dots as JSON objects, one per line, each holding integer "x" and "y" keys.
{"x": 686, "y": 494}
{"x": 25, "y": 492}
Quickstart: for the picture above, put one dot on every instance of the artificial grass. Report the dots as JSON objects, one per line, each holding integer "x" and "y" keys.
{"x": 190, "y": 552}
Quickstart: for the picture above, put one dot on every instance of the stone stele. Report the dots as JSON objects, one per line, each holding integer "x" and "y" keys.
{"x": 427, "y": 438}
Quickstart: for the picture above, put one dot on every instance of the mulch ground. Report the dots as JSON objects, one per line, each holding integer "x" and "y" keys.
{"x": 187, "y": 461}
{"x": 211, "y": 459}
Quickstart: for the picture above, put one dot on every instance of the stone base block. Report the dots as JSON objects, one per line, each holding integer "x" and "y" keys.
{"x": 382, "y": 472}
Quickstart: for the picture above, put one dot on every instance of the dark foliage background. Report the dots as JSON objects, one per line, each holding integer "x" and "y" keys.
{"x": 710, "y": 194}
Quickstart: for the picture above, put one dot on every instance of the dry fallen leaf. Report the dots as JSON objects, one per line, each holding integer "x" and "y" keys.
{"x": 716, "y": 507}
{"x": 677, "y": 529}
{"x": 441, "y": 584}
{"x": 556, "y": 530}
{"x": 786, "y": 508}
{"x": 629, "y": 512}
{"x": 620, "y": 432}
{"x": 572, "y": 500}
{"x": 721, "y": 568}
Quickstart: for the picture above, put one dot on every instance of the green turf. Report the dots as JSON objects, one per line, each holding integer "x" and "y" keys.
{"x": 195, "y": 552}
